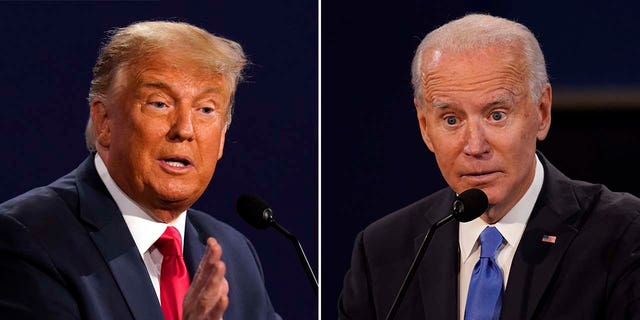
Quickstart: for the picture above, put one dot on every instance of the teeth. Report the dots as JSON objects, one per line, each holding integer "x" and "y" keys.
{"x": 175, "y": 163}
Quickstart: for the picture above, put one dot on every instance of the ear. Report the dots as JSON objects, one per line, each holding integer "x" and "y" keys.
{"x": 223, "y": 136}
{"x": 101, "y": 124}
{"x": 422, "y": 121}
{"x": 544, "y": 113}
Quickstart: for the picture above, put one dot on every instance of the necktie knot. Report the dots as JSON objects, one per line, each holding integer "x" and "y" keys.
{"x": 170, "y": 242}
{"x": 490, "y": 241}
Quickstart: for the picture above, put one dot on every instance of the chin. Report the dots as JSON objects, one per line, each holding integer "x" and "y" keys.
{"x": 495, "y": 196}
{"x": 177, "y": 198}
{"x": 173, "y": 205}
{"x": 179, "y": 195}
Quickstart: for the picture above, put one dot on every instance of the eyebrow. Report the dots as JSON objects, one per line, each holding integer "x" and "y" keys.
{"x": 156, "y": 85}
{"x": 166, "y": 87}
{"x": 501, "y": 99}
{"x": 439, "y": 104}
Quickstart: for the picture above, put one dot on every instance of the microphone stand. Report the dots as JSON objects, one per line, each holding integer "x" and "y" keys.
{"x": 303, "y": 258}
{"x": 415, "y": 264}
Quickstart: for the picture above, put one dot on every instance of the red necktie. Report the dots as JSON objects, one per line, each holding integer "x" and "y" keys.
{"x": 174, "y": 278}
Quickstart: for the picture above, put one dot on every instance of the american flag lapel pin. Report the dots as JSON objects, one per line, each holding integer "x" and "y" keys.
{"x": 548, "y": 238}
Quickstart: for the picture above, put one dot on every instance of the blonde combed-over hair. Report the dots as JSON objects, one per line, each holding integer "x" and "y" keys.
{"x": 132, "y": 44}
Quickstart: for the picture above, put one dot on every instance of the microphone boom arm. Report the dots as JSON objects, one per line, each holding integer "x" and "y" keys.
{"x": 303, "y": 258}
{"x": 414, "y": 265}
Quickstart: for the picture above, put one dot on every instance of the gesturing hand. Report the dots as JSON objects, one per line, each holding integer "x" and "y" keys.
{"x": 207, "y": 296}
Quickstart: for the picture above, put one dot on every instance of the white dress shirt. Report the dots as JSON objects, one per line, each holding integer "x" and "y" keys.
{"x": 143, "y": 228}
{"x": 511, "y": 226}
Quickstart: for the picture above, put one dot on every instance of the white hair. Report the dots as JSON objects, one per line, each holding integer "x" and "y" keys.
{"x": 476, "y": 31}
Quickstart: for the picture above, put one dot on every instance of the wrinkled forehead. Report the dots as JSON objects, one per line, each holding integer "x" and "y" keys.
{"x": 473, "y": 70}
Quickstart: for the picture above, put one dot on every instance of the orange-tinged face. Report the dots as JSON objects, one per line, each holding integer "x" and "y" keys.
{"x": 479, "y": 119}
{"x": 160, "y": 131}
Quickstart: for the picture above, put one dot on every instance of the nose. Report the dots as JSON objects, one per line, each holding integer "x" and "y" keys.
{"x": 476, "y": 144}
{"x": 182, "y": 126}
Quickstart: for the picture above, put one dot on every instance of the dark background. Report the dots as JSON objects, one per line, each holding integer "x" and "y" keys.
{"x": 48, "y": 51}
{"x": 373, "y": 158}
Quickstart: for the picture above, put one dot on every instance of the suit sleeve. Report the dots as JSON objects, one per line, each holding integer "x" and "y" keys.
{"x": 624, "y": 300}
{"x": 31, "y": 287}
{"x": 356, "y": 300}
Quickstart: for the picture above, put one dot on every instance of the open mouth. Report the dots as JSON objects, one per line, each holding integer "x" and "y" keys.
{"x": 176, "y": 162}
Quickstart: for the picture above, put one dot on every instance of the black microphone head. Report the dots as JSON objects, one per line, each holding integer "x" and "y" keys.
{"x": 254, "y": 211}
{"x": 469, "y": 205}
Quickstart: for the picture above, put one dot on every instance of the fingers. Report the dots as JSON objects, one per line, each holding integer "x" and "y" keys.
{"x": 220, "y": 307}
{"x": 217, "y": 312}
{"x": 207, "y": 297}
{"x": 213, "y": 269}
{"x": 210, "y": 267}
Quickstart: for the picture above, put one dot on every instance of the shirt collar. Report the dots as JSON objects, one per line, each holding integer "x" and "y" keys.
{"x": 511, "y": 226}
{"x": 144, "y": 229}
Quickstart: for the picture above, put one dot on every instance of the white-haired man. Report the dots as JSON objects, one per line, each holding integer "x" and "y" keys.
{"x": 547, "y": 247}
{"x": 116, "y": 238}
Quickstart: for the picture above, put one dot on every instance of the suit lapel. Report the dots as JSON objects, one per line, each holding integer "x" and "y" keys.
{"x": 196, "y": 233}
{"x": 534, "y": 264}
{"x": 129, "y": 271}
{"x": 111, "y": 236}
{"x": 194, "y": 247}
{"x": 438, "y": 272}
{"x": 536, "y": 260}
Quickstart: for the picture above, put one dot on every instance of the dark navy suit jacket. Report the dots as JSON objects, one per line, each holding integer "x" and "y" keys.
{"x": 66, "y": 253}
{"x": 592, "y": 271}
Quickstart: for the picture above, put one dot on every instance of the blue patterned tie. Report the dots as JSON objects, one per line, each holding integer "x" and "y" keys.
{"x": 484, "y": 300}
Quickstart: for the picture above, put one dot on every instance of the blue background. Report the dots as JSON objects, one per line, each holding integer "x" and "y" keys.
{"x": 373, "y": 158}
{"x": 48, "y": 51}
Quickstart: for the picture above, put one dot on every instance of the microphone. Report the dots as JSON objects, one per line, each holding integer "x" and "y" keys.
{"x": 466, "y": 207}
{"x": 469, "y": 205}
{"x": 257, "y": 213}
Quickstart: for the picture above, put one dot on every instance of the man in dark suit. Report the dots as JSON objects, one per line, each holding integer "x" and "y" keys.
{"x": 547, "y": 247}
{"x": 115, "y": 238}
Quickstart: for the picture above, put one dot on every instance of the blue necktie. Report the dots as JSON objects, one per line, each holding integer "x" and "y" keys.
{"x": 484, "y": 300}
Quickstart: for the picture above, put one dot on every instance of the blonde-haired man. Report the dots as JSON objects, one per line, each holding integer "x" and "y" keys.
{"x": 116, "y": 238}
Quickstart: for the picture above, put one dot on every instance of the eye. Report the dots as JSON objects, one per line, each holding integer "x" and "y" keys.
{"x": 207, "y": 110}
{"x": 497, "y": 115}
{"x": 158, "y": 104}
{"x": 451, "y": 120}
